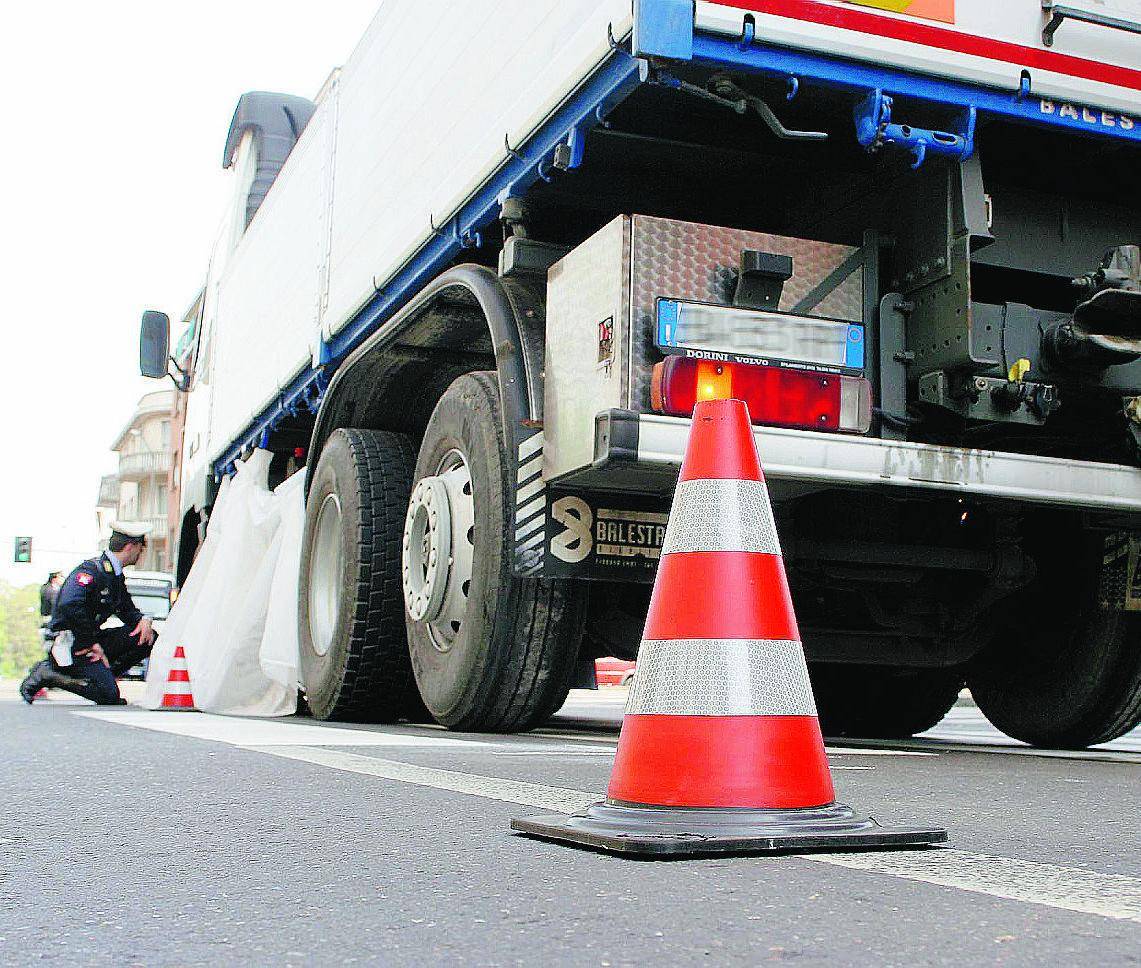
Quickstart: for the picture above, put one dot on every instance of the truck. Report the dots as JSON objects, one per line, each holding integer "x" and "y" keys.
{"x": 475, "y": 287}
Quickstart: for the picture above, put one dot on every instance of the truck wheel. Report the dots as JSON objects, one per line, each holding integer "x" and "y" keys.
{"x": 878, "y": 702}
{"x": 491, "y": 651}
{"x": 1063, "y": 671}
{"x": 354, "y": 653}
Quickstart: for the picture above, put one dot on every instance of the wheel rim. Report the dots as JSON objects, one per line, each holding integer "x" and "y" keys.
{"x": 325, "y": 571}
{"x": 438, "y": 550}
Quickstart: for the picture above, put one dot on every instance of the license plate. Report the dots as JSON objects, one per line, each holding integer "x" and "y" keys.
{"x": 748, "y": 335}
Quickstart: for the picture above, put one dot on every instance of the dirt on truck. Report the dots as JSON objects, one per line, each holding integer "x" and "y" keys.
{"x": 478, "y": 284}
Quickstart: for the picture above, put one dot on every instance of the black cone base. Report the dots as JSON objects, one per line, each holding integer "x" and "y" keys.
{"x": 693, "y": 831}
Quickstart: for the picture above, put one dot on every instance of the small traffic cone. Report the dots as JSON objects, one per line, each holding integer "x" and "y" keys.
{"x": 721, "y": 750}
{"x": 178, "y": 694}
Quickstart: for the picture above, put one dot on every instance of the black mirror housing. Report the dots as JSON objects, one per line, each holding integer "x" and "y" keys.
{"x": 154, "y": 344}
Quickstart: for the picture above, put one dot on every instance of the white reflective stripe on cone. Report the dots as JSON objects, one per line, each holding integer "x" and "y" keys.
{"x": 721, "y": 677}
{"x": 178, "y": 689}
{"x": 721, "y": 515}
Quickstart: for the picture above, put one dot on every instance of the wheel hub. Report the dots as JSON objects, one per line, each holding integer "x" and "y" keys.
{"x": 437, "y": 553}
{"x": 325, "y": 570}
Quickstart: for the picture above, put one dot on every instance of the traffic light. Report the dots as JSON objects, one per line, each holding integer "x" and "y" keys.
{"x": 23, "y": 551}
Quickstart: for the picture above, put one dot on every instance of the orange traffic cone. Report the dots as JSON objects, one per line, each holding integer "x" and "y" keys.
{"x": 721, "y": 748}
{"x": 178, "y": 694}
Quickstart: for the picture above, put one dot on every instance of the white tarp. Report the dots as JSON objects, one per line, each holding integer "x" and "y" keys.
{"x": 280, "y": 647}
{"x": 236, "y": 616}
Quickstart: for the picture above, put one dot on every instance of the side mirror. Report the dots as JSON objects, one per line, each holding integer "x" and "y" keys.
{"x": 154, "y": 345}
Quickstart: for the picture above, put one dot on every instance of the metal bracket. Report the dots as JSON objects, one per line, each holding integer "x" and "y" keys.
{"x": 1060, "y": 12}
{"x": 989, "y": 399}
{"x": 748, "y": 32}
{"x": 663, "y": 28}
{"x": 569, "y": 154}
{"x": 875, "y": 128}
{"x": 182, "y": 381}
{"x": 467, "y": 239}
{"x": 511, "y": 151}
{"x": 723, "y": 91}
{"x": 611, "y": 42}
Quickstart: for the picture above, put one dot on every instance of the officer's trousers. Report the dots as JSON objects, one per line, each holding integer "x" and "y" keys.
{"x": 122, "y": 651}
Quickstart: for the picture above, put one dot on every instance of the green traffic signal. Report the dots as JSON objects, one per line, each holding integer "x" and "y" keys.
{"x": 23, "y": 551}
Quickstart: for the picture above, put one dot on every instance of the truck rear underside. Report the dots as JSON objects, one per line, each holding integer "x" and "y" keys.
{"x": 907, "y": 240}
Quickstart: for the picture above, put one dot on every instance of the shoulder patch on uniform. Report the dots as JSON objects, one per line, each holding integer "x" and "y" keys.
{"x": 107, "y": 565}
{"x": 84, "y": 578}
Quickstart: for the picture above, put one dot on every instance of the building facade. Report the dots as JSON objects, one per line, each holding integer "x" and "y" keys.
{"x": 140, "y": 489}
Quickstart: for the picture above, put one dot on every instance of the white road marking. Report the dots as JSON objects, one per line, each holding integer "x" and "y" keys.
{"x": 945, "y": 743}
{"x": 489, "y": 787}
{"x": 250, "y": 732}
{"x": 554, "y": 751}
{"x": 844, "y": 751}
{"x": 830, "y": 750}
{"x": 267, "y": 732}
{"x": 1085, "y": 892}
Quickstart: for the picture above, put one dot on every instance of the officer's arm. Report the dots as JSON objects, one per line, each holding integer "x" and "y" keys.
{"x": 75, "y": 608}
{"x": 126, "y": 609}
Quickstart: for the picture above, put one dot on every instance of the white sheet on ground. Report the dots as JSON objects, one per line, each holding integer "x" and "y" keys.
{"x": 242, "y": 654}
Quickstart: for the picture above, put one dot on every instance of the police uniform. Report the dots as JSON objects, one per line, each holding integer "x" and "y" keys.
{"x": 92, "y": 593}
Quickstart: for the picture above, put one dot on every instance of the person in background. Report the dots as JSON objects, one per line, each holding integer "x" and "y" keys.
{"x": 49, "y": 592}
{"x": 84, "y": 657}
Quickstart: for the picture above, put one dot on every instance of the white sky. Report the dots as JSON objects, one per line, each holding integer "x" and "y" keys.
{"x": 113, "y": 190}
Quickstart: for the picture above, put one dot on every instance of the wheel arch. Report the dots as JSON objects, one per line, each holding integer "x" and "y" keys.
{"x": 466, "y": 319}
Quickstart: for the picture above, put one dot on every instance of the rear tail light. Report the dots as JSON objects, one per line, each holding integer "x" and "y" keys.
{"x": 775, "y": 395}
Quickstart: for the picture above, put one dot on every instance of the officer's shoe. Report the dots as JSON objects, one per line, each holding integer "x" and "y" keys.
{"x": 34, "y": 682}
{"x": 43, "y": 676}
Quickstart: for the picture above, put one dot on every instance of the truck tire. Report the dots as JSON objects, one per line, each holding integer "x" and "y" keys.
{"x": 878, "y": 702}
{"x": 491, "y": 651}
{"x": 354, "y": 652}
{"x": 1063, "y": 671}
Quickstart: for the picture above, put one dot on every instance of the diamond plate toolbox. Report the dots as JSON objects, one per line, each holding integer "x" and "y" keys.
{"x": 601, "y": 307}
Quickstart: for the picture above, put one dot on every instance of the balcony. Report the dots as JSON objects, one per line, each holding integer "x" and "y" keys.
{"x": 158, "y": 530}
{"x": 133, "y": 467}
{"x": 108, "y": 491}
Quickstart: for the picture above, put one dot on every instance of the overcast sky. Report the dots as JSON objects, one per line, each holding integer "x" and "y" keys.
{"x": 115, "y": 118}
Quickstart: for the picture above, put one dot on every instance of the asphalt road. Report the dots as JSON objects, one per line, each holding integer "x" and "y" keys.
{"x": 132, "y": 837}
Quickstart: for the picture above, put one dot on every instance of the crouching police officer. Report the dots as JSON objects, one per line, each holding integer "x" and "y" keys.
{"x": 85, "y": 658}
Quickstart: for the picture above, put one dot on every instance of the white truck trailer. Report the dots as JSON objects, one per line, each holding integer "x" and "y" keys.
{"x": 478, "y": 284}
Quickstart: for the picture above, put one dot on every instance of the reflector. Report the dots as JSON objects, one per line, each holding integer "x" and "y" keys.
{"x": 775, "y": 396}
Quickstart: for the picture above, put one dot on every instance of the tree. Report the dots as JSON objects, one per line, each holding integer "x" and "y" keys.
{"x": 20, "y": 643}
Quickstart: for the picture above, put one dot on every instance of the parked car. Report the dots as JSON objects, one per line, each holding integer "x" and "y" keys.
{"x": 153, "y": 594}
{"x": 614, "y": 672}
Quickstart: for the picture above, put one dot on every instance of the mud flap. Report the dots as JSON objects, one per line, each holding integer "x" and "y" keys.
{"x": 604, "y": 536}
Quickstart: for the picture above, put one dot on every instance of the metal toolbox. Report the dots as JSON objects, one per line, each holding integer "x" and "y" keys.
{"x": 602, "y": 306}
